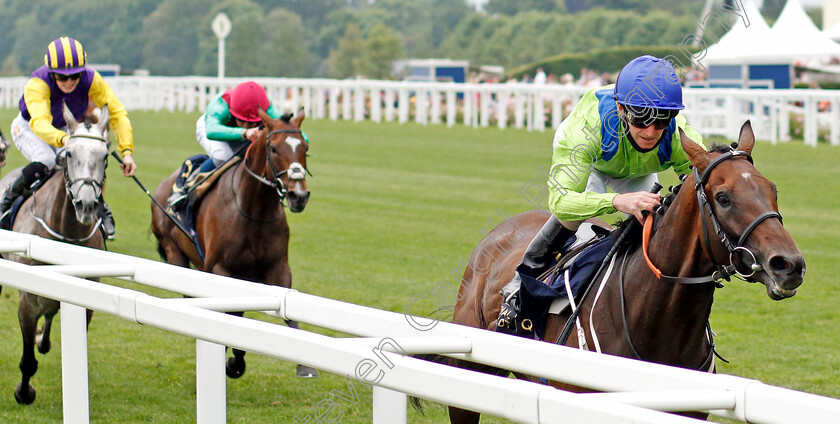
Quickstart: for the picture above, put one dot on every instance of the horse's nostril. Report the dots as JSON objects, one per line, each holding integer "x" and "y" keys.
{"x": 781, "y": 265}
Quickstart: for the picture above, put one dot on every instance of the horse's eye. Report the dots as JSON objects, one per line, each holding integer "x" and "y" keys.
{"x": 273, "y": 149}
{"x": 722, "y": 199}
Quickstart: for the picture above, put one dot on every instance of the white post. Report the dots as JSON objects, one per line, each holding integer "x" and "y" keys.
{"x": 74, "y": 363}
{"x": 210, "y": 384}
{"x": 389, "y": 407}
{"x": 389, "y": 104}
{"x": 451, "y": 107}
{"x": 221, "y": 27}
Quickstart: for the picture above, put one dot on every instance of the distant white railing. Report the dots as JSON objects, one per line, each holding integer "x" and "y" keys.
{"x": 713, "y": 112}
{"x": 640, "y": 390}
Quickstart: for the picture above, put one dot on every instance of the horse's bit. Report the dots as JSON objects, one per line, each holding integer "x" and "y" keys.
{"x": 296, "y": 171}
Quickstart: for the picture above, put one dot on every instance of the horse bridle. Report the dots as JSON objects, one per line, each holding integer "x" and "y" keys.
{"x": 295, "y": 170}
{"x": 68, "y": 185}
{"x": 734, "y": 248}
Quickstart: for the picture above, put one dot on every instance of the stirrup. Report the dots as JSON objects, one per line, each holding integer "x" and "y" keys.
{"x": 510, "y": 319}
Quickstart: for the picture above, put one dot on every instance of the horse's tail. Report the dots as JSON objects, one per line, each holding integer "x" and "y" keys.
{"x": 416, "y": 402}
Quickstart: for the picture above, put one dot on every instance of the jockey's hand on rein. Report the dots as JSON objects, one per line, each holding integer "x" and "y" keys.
{"x": 635, "y": 203}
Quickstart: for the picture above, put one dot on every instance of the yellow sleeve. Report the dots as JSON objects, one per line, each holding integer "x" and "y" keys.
{"x": 118, "y": 122}
{"x": 36, "y": 94}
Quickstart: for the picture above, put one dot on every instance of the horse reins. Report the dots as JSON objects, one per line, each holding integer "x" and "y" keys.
{"x": 723, "y": 271}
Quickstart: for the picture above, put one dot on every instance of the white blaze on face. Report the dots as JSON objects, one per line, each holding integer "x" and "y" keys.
{"x": 746, "y": 175}
{"x": 293, "y": 142}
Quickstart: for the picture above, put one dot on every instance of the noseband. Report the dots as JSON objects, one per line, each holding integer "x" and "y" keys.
{"x": 296, "y": 171}
{"x": 734, "y": 248}
{"x": 69, "y": 183}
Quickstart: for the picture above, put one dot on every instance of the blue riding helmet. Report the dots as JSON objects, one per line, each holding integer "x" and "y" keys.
{"x": 649, "y": 82}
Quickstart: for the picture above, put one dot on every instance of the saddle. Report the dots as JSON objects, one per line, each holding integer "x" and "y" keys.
{"x": 190, "y": 187}
{"x": 575, "y": 266}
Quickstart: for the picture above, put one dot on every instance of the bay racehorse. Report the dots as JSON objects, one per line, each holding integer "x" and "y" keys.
{"x": 240, "y": 224}
{"x": 723, "y": 221}
{"x": 64, "y": 208}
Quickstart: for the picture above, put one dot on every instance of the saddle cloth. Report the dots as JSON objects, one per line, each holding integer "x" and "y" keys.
{"x": 197, "y": 187}
{"x": 582, "y": 259}
{"x": 8, "y": 220}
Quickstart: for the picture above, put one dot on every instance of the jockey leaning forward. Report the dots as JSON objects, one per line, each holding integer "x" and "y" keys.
{"x": 39, "y": 130}
{"x": 618, "y": 137}
{"x": 230, "y": 122}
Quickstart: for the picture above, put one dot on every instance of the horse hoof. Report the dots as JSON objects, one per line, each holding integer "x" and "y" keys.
{"x": 25, "y": 397}
{"x": 232, "y": 370}
{"x": 306, "y": 372}
{"x": 43, "y": 345}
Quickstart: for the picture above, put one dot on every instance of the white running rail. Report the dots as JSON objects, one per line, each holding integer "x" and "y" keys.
{"x": 640, "y": 390}
{"x": 775, "y": 114}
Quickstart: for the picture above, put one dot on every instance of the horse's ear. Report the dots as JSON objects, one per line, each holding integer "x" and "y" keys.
{"x": 266, "y": 118}
{"x": 698, "y": 156}
{"x": 298, "y": 119}
{"x": 104, "y": 114}
{"x": 746, "y": 139}
{"x": 69, "y": 118}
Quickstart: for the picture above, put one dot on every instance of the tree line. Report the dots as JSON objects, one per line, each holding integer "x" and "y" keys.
{"x": 331, "y": 38}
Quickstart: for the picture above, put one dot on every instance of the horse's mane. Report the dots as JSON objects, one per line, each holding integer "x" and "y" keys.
{"x": 634, "y": 238}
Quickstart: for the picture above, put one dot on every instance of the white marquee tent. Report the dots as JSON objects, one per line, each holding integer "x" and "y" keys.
{"x": 742, "y": 39}
{"x": 794, "y": 36}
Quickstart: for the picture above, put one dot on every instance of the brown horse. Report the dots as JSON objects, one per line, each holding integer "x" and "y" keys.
{"x": 240, "y": 224}
{"x": 638, "y": 314}
{"x": 64, "y": 208}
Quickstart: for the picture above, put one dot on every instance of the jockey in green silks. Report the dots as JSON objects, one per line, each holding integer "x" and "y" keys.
{"x": 619, "y": 137}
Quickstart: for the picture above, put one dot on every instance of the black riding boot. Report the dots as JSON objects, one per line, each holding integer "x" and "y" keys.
{"x": 28, "y": 176}
{"x": 537, "y": 256}
{"x": 177, "y": 198}
{"x": 108, "y": 223}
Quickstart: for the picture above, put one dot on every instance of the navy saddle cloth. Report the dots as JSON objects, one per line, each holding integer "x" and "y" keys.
{"x": 186, "y": 213}
{"x": 536, "y": 296}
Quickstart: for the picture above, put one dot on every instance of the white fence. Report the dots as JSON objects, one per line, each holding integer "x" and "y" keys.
{"x": 640, "y": 390}
{"x": 809, "y": 114}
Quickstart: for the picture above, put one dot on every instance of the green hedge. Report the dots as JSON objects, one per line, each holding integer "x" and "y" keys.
{"x": 827, "y": 85}
{"x": 607, "y": 60}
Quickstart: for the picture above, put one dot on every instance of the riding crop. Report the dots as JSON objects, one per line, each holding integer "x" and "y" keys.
{"x": 145, "y": 190}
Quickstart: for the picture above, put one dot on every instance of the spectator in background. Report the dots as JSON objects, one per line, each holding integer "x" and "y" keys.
{"x": 592, "y": 79}
{"x": 540, "y": 77}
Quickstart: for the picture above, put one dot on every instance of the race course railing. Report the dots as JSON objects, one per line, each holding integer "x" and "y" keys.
{"x": 776, "y": 115}
{"x": 640, "y": 390}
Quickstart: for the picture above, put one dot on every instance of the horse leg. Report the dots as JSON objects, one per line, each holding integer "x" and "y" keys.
{"x": 42, "y": 335}
{"x": 235, "y": 365}
{"x": 28, "y": 318}
{"x": 48, "y": 310}
{"x": 302, "y": 370}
